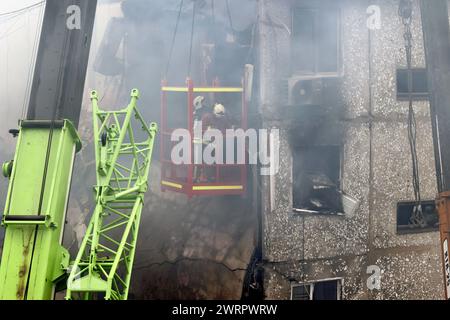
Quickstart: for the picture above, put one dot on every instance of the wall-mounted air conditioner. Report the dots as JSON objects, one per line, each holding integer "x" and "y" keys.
{"x": 316, "y": 91}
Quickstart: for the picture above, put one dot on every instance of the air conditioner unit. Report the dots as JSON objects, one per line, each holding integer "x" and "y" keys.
{"x": 317, "y": 91}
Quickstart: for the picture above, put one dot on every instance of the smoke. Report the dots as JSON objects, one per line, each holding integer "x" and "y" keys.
{"x": 18, "y": 41}
{"x": 140, "y": 44}
{"x": 131, "y": 43}
{"x": 131, "y": 49}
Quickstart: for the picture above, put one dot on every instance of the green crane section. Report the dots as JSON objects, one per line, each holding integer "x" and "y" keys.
{"x": 103, "y": 266}
{"x": 32, "y": 258}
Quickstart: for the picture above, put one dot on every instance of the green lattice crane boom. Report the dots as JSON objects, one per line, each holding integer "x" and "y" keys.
{"x": 34, "y": 264}
{"x": 103, "y": 266}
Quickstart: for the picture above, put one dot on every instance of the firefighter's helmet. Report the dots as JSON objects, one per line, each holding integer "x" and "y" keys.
{"x": 198, "y": 102}
{"x": 219, "y": 110}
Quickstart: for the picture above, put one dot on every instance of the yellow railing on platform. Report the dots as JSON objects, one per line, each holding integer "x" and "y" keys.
{"x": 204, "y": 89}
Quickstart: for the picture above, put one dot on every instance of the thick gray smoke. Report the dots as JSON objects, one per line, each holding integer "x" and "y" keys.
{"x": 142, "y": 47}
{"x": 131, "y": 44}
{"x": 183, "y": 242}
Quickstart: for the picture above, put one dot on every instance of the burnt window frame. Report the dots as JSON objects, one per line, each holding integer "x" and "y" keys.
{"x": 312, "y": 284}
{"x": 315, "y": 8}
{"x": 403, "y": 229}
{"x": 339, "y": 183}
{"x": 416, "y": 96}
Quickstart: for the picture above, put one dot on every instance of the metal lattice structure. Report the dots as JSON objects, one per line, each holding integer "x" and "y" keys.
{"x": 104, "y": 263}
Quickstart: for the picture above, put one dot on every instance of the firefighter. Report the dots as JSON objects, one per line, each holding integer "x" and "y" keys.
{"x": 198, "y": 110}
{"x": 198, "y": 143}
{"x": 217, "y": 119}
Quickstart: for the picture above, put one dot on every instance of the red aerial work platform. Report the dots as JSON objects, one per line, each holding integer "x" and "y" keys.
{"x": 177, "y": 111}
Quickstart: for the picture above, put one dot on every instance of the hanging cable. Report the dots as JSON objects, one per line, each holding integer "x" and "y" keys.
{"x": 33, "y": 57}
{"x": 303, "y": 262}
{"x": 213, "y": 17}
{"x": 194, "y": 8}
{"x": 172, "y": 45}
{"x": 10, "y": 30}
{"x": 230, "y": 19}
{"x": 9, "y": 18}
{"x": 405, "y": 12}
{"x": 22, "y": 10}
{"x": 252, "y": 41}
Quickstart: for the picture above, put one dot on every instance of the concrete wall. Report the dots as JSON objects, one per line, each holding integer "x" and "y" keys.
{"x": 376, "y": 165}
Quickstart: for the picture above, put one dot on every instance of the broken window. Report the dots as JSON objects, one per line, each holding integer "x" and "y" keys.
{"x": 316, "y": 180}
{"x": 322, "y": 290}
{"x": 405, "y": 212}
{"x": 315, "y": 40}
{"x": 419, "y": 83}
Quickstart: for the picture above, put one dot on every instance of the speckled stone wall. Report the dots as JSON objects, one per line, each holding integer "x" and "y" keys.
{"x": 376, "y": 164}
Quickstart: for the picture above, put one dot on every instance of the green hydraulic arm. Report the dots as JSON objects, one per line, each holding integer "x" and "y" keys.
{"x": 33, "y": 263}
{"x": 103, "y": 266}
{"x": 33, "y": 259}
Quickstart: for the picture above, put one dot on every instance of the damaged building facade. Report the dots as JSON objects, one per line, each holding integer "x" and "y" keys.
{"x": 336, "y": 217}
